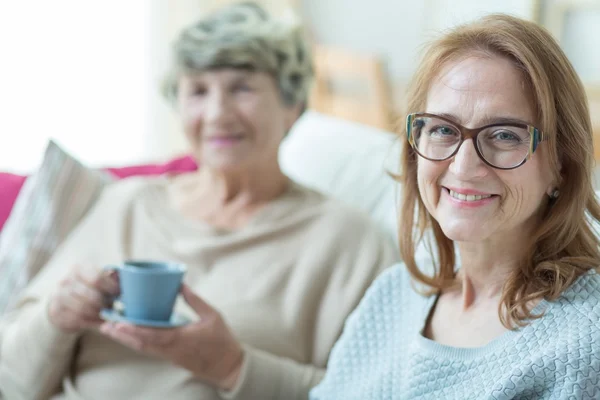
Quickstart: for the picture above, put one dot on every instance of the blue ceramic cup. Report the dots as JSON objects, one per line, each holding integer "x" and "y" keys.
{"x": 149, "y": 288}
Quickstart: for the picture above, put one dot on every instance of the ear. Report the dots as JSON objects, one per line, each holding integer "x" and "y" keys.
{"x": 553, "y": 189}
{"x": 292, "y": 113}
{"x": 556, "y": 182}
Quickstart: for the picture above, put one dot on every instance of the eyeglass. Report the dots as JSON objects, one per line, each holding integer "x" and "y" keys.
{"x": 505, "y": 145}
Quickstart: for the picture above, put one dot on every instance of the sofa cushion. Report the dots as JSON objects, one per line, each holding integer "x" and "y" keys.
{"x": 10, "y": 185}
{"x": 175, "y": 166}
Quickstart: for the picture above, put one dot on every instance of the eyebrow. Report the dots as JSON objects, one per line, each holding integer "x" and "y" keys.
{"x": 236, "y": 78}
{"x": 489, "y": 120}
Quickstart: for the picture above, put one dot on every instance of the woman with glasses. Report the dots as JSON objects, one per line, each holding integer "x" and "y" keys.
{"x": 498, "y": 167}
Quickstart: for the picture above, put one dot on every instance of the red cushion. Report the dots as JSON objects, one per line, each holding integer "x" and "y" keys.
{"x": 175, "y": 166}
{"x": 10, "y": 184}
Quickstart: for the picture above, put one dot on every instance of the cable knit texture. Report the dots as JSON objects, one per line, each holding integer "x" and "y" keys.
{"x": 382, "y": 354}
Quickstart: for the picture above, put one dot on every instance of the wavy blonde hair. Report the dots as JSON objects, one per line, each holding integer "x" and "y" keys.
{"x": 564, "y": 246}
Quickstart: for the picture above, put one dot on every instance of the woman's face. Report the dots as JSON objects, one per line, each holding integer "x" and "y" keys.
{"x": 232, "y": 118}
{"x": 475, "y": 92}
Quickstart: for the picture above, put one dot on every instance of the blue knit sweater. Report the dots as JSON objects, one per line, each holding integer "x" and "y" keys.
{"x": 382, "y": 354}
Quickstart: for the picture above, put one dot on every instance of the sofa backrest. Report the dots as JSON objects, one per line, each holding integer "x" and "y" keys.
{"x": 346, "y": 160}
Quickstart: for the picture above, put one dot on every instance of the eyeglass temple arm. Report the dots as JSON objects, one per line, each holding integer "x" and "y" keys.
{"x": 542, "y": 136}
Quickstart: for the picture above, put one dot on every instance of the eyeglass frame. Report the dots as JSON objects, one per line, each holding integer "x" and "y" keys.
{"x": 537, "y": 136}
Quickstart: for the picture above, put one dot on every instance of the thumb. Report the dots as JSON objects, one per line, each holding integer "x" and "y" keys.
{"x": 198, "y": 305}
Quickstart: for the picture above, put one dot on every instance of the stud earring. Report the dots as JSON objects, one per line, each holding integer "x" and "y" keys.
{"x": 555, "y": 193}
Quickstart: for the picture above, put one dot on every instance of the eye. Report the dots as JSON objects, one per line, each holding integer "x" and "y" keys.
{"x": 242, "y": 87}
{"x": 442, "y": 130}
{"x": 198, "y": 91}
{"x": 506, "y": 136}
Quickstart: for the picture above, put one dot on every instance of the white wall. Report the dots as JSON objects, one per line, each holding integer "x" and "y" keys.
{"x": 447, "y": 13}
{"x": 580, "y": 33}
{"x": 392, "y": 29}
{"x": 397, "y": 29}
{"x": 78, "y": 72}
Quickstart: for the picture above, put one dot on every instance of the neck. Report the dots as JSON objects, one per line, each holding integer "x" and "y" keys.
{"x": 485, "y": 268}
{"x": 226, "y": 199}
{"x": 250, "y": 186}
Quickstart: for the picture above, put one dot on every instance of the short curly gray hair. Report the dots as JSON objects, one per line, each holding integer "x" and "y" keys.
{"x": 245, "y": 36}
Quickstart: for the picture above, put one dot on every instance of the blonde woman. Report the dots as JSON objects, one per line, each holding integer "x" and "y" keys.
{"x": 498, "y": 163}
{"x": 274, "y": 268}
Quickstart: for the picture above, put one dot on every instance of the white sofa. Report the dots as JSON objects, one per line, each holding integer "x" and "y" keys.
{"x": 347, "y": 160}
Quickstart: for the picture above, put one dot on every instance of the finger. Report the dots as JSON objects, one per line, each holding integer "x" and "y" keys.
{"x": 68, "y": 302}
{"x": 109, "y": 283}
{"x": 71, "y": 313}
{"x": 87, "y": 272}
{"x": 88, "y": 295}
{"x": 109, "y": 329}
{"x": 81, "y": 310}
{"x": 149, "y": 336}
{"x": 75, "y": 298}
{"x": 93, "y": 323}
{"x": 198, "y": 305}
{"x": 105, "y": 281}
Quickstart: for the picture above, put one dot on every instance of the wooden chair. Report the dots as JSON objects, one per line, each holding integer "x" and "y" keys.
{"x": 351, "y": 86}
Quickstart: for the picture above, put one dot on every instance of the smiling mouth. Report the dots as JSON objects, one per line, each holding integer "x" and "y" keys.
{"x": 227, "y": 137}
{"x": 468, "y": 197}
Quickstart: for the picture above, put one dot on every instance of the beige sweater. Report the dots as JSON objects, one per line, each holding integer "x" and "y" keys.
{"x": 284, "y": 283}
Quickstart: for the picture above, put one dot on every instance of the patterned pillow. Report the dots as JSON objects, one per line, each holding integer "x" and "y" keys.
{"x": 49, "y": 205}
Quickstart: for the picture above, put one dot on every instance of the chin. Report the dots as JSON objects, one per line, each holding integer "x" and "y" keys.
{"x": 226, "y": 167}
{"x": 463, "y": 232}
{"x": 225, "y": 163}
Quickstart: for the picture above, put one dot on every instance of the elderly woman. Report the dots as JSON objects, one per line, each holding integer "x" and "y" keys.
{"x": 280, "y": 265}
{"x": 499, "y": 166}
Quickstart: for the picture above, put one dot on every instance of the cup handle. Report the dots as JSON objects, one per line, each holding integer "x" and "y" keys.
{"x": 114, "y": 301}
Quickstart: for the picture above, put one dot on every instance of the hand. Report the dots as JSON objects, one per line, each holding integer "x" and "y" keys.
{"x": 206, "y": 348}
{"x": 76, "y": 304}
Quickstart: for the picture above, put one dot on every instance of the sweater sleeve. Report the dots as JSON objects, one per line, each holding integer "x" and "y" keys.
{"x": 34, "y": 355}
{"x": 267, "y": 376}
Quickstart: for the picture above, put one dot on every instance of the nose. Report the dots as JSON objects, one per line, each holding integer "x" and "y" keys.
{"x": 466, "y": 163}
{"x": 216, "y": 106}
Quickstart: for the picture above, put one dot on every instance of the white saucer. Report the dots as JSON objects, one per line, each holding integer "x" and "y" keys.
{"x": 113, "y": 315}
